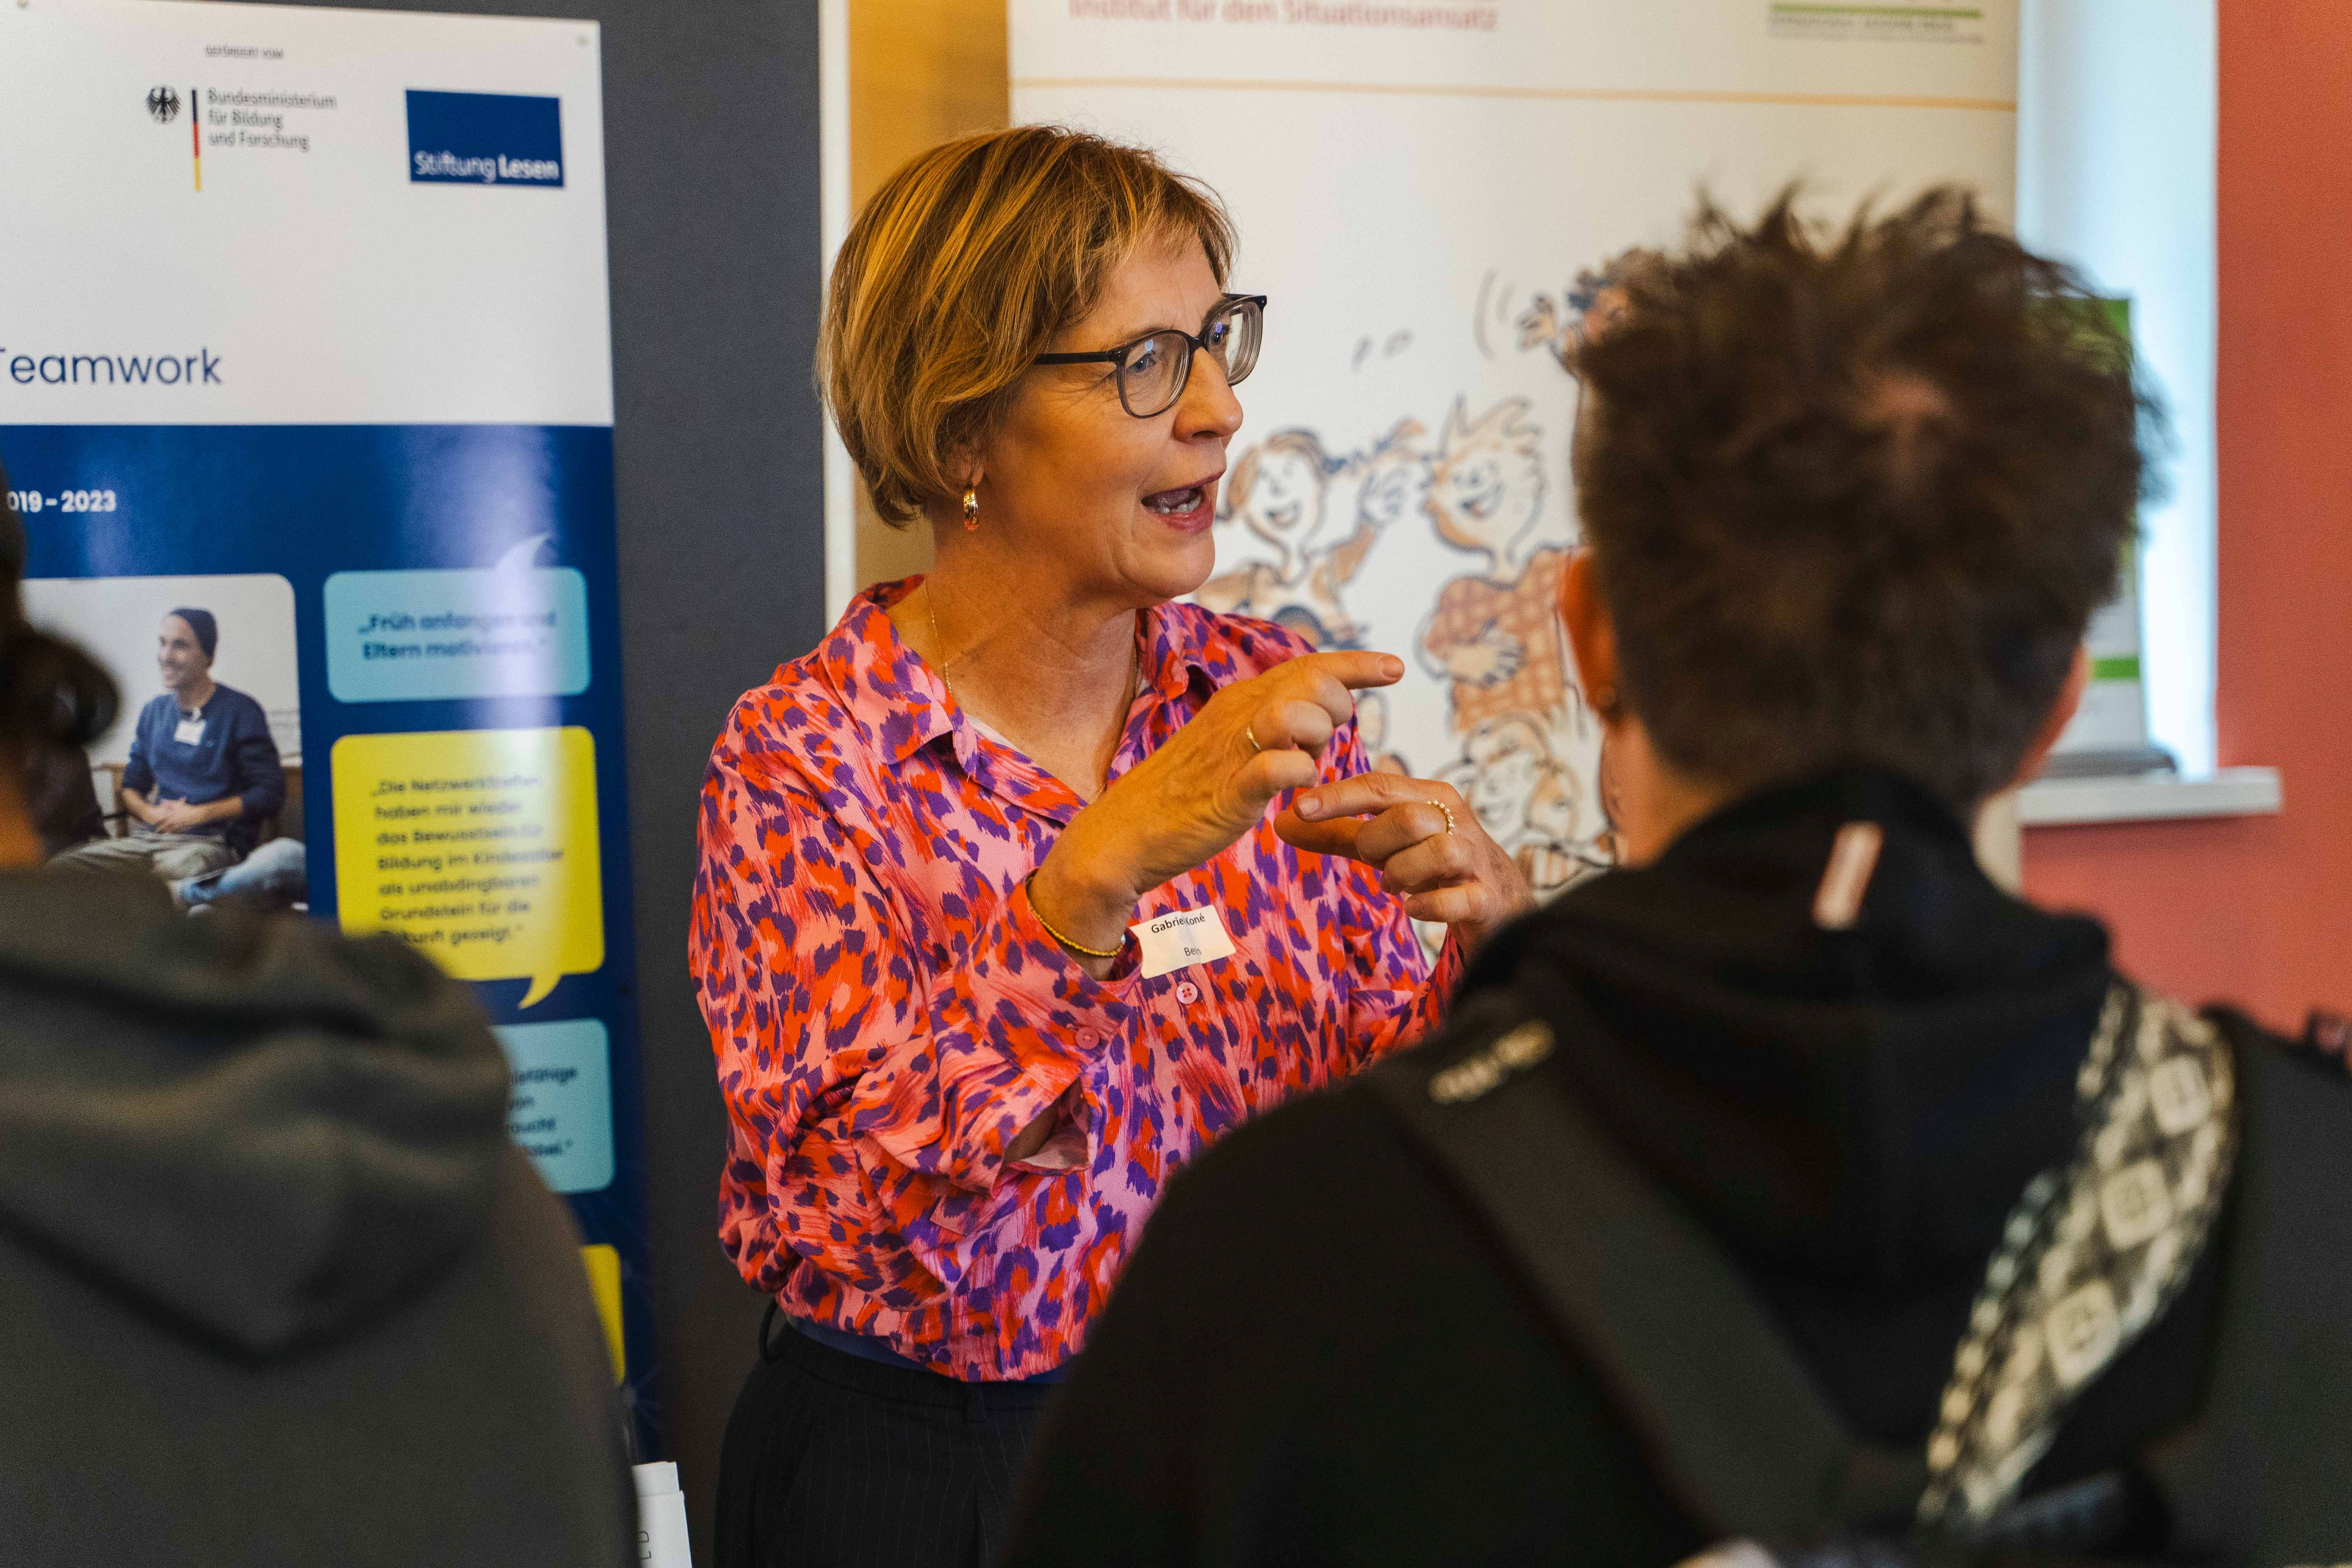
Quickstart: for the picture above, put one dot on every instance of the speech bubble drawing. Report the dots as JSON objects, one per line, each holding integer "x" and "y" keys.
{"x": 510, "y": 630}
{"x": 476, "y": 846}
{"x": 561, "y": 1111}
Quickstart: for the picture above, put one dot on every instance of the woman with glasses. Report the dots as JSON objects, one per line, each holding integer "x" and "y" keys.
{"x": 998, "y": 923}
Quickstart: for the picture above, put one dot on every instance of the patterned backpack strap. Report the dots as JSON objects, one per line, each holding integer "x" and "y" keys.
{"x": 2093, "y": 1253}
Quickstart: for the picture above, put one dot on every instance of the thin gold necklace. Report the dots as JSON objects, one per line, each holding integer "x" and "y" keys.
{"x": 931, "y": 613}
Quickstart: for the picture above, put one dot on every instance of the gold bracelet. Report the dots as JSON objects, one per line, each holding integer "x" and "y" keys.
{"x": 1057, "y": 936}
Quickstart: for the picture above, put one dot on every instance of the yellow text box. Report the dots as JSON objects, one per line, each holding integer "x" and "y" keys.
{"x": 478, "y": 847}
{"x": 603, "y": 1265}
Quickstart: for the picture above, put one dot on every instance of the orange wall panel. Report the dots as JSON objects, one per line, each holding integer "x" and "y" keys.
{"x": 2260, "y": 909}
{"x": 921, "y": 71}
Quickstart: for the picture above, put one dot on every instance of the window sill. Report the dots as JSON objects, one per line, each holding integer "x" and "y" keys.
{"x": 2149, "y": 797}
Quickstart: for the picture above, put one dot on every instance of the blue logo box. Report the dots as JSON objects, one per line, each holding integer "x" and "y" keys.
{"x": 484, "y": 139}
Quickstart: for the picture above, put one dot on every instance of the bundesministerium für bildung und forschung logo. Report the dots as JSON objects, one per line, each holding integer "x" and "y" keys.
{"x": 163, "y": 103}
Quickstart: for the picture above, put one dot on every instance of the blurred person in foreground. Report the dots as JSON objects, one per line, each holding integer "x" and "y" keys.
{"x": 997, "y": 924}
{"x": 274, "y": 1287}
{"x": 2005, "y": 1227}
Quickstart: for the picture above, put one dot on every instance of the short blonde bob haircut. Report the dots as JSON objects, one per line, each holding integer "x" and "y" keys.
{"x": 963, "y": 268}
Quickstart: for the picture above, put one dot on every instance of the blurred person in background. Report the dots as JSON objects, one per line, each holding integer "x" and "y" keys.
{"x": 1795, "y": 1183}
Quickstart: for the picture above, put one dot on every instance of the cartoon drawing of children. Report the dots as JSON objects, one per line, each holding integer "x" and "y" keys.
{"x": 1389, "y": 483}
{"x": 1502, "y": 761}
{"x": 1495, "y": 635}
{"x": 1396, "y": 477}
{"x": 1586, "y": 307}
{"x": 1281, "y": 492}
{"x": 1279, "y": 487}
{"x": 1527, "y": 798}
{"x": 1372, "y": 727}
{"x": 1277, "y": 491}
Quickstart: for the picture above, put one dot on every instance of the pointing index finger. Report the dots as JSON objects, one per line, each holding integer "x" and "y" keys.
{"x": 1355, "y": 670}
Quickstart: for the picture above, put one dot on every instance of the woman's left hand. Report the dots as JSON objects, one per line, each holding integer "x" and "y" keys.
{"x": 1425, "y": 842}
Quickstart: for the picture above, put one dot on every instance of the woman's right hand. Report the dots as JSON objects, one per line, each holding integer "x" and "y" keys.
{"x": 1199, "y": 792}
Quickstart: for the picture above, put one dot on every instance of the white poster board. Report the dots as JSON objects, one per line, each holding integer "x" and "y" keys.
{"x": 305, "y": 329}
{"x": 1418, "y": 186}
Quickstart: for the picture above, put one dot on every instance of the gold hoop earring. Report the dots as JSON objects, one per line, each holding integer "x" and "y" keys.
{"x": 972, "y": 511}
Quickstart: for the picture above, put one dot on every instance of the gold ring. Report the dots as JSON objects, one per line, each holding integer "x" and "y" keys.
{"x": 1250, "y": 735}
{"x": 1442, "y": 808}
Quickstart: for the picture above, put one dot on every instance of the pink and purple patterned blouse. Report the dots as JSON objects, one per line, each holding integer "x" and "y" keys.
{"x": 887, "y": 1013}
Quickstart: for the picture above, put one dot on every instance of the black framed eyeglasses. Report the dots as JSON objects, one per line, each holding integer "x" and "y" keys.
{"x": 1153, "y": 368}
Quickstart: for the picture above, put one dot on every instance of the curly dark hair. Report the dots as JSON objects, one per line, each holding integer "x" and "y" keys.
{"x": 1853, "y": 494}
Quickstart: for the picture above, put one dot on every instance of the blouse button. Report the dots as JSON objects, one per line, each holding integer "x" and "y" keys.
{"x": 1187, "y": 993}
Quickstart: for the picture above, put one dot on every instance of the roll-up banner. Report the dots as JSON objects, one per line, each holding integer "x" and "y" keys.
{"x": 305, "y": 329}
{"x": 1426, "y": 190}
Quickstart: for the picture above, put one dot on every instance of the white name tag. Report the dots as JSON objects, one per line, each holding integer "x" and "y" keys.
{"x": 191, "y": 733}
{"x": 1181, "y": 939}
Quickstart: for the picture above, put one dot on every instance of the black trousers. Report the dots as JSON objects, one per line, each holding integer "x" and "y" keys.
{"x": 831, "y": 1461}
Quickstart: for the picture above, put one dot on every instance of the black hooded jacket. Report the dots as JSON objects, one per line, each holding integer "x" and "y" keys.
{"x": 1316, "y": 1358}
{"x": 275, "y": 1288}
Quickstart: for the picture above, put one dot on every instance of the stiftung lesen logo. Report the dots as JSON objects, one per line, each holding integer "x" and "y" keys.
{"x": 497, "y": 169}
{"x": 484, "y": 139}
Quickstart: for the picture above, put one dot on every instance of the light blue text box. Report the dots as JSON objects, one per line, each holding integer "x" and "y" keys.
{"x": 500, "y": 631}
{"x": 561, "y": 1112}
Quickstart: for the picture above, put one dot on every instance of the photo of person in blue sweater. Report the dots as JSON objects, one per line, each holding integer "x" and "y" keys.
{"x": 202, "y": 774}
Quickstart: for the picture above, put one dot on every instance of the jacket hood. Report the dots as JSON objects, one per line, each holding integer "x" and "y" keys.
{"x": 260, "y": 1130}
{"x": 1863, "y": 1103}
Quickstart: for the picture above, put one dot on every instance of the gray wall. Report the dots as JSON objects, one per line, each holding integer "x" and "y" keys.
{"x": 710, "y": 147}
